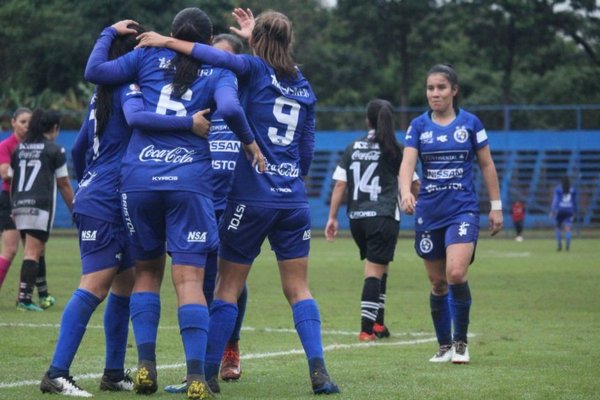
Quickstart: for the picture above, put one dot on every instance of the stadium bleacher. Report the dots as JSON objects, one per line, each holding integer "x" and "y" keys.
{"x": 529, "y": 164}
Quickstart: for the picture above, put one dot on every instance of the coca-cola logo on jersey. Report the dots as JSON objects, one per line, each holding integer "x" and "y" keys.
{"x": 283, "y": 169}
{"x": 178, "y": 155}
{"x": 366, "y": 156}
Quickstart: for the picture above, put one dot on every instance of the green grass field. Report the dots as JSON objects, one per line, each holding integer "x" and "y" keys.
{"x": 535, "y": 322}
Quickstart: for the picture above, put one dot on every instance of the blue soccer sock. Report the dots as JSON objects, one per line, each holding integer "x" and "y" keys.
{"x": 116, "y": 328}
{"x": 308, "y": 325}
{"x": 241, "y": 303}
{"x": 210, "y": 276}
{"x": 460, "y": 303}
{"x": 222, "y": 321}
{"x": 75, "y": 318}
{"x": 193, "y": 326}
{"x": 145, "y": 315}
{"x": 568, "y": 236}
{"x": 558, "y": 238}
{"x": 442, "y": 319}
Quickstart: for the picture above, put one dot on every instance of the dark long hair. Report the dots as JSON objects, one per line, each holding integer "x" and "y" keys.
{"x": 42, "y": 121}
{"x": 236, "y": 44}
{"x": 191, "y": 24}
{"x": 272, "y": 39}
{"x": 121, "y": 45}
{"x": 565, "y": 183}
{"x": 380, "y": 115}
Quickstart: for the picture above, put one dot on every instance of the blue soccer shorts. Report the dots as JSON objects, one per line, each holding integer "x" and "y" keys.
{"x": 102, "y": 245}
{"x": 431, "y": 245}
{"x": 564, "y": 218}
{"x": 244, "y": 228}
{"x": 184, "y": 220}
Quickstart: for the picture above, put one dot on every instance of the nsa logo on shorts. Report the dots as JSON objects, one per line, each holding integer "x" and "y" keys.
{"x": 195, "y": 236}
{"x": 88, "y": 235}
{"x": 306, "y": 235}
{"x": 425, "y": 245}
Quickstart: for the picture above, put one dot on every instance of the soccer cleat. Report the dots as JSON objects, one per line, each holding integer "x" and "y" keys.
{"x": 322, "y": 383}
{"x": 145, "y": 380}
{"x": 124, "y": 385}
{"x": 366, "y": 337}
{"x": 444, "y": 354}
{"x": 213, "y": 384}
{"x": 460, "y": 355}
{"x": 47, "y": 301}
{"x": 179, "y": 388}
{"x": 230, "y": 363}
{"x": 198, "y": 388}
{"x": 381, "y": 331}
{"x": 28, "y": 306}
{"x": 62, "y": 385}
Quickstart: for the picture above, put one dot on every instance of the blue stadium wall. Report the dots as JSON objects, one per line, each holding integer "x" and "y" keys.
{"x": 529, "y": 163}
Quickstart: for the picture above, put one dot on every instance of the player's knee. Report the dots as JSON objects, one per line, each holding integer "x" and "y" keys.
{"x": 439, "y": 287}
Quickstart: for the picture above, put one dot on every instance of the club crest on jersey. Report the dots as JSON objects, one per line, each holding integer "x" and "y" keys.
{"x": 425, "y": 245}
{"x": 460, "y": 134}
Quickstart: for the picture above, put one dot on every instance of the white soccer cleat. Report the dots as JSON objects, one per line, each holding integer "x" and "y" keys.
{"x": 444, "y": 354}
{"x": 519, "y": 238}
{"x": 63, "y": 385}
{"x": 460, "y": 355}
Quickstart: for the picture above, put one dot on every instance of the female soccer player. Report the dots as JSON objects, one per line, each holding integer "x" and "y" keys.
{"x": 166, "y": 185}
{"x": 369, "y": 169}
{"x": 10, "y": 235}
{"x": 446, "y": 139}
{"x": 106, "y": 263}
{"x": 37, "y": 167}
{"x": 224, "y": 149}
{"x": 279, "y": 103}
{"x": 564, "y": 209}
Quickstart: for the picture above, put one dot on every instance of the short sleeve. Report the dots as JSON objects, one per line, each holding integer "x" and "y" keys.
{"x": 61, "y": 163}
{"x": 480, "y": 138}
{"x": 412, "y": 135}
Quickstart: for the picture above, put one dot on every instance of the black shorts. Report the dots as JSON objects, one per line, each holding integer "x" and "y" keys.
{"x": 376, "y": 238}
{"x": 6, "y": 221}
{"x": 42, "y": 236}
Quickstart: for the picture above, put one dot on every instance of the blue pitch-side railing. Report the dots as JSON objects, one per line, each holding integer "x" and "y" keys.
{"x": 529, "y": 164}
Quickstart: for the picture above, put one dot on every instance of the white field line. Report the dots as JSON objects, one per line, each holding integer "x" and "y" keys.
{"x": 251, "y": 356}
{"x": 245, "y": 328}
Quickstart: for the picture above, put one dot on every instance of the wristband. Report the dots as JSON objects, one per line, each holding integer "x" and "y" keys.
{"x": 496, "y": 205}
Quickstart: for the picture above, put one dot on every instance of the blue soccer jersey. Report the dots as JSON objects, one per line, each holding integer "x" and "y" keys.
{"x": 224, "y": 150}
{"x": 564, "y": 203}
{"x": 446, "y": 154}
{"x": 98, "y": 192}
{"x": 281, "y": 115}
{"x": 178, "y": 161}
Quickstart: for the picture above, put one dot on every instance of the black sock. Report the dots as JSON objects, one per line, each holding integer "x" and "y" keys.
{"x": 40, "y": 281}
{"x": 381, "y": 311}
{"x": 28, "y": 274}
{"x": 369, "y": 304}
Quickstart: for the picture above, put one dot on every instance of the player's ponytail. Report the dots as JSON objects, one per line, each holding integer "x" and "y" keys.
{"x": 121, "y": 45}
{"x": 380, "y": 116}
{"x": 42, "y": 121}
{"x": 193, "y": 25}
